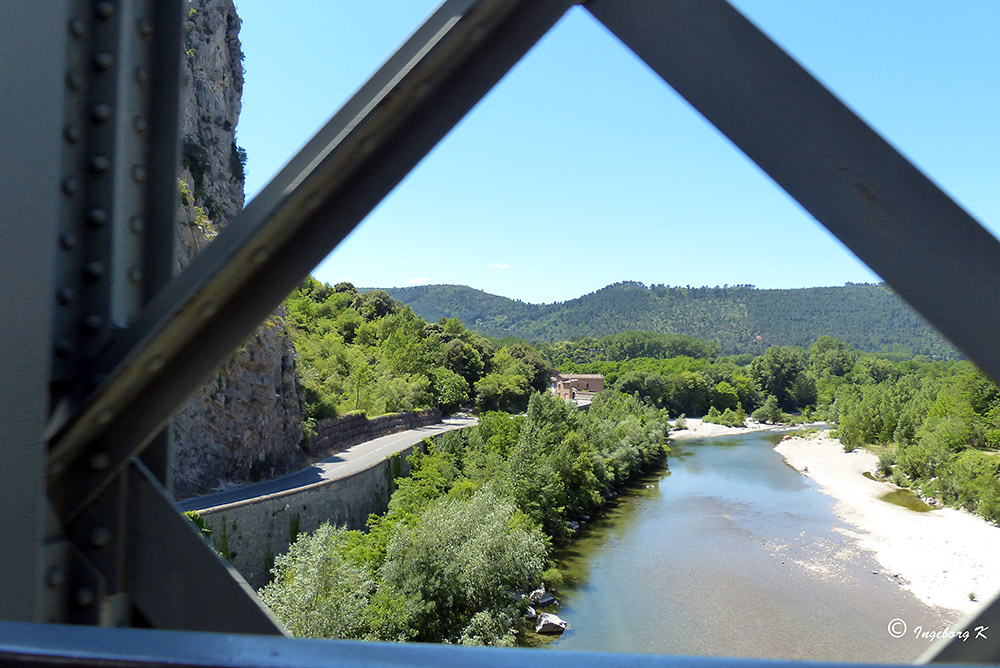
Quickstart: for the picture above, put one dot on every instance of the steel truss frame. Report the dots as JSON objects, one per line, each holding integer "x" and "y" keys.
{"x": 90, "y": 158}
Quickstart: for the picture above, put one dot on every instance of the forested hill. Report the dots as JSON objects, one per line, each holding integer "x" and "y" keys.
{"x": 742, "y": 319}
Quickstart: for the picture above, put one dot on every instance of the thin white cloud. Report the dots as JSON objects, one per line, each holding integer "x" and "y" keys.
{"x": 497, "y": 265}
{"x": 420, "y": 280}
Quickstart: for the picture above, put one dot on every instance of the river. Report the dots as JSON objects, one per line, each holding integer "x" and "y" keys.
{"x": 731, "y": 552}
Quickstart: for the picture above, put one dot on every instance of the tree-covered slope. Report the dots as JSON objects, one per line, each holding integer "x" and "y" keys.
{"x": 741, "y": 318}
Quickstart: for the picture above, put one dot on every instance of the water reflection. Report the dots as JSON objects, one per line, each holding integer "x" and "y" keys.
{"x": 735, "y": 554}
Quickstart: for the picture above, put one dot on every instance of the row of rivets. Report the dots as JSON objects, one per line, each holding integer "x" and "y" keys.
{"x": 98, "y": 59}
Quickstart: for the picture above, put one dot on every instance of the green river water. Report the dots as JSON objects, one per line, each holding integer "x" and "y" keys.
{"x": 731, "y": 552}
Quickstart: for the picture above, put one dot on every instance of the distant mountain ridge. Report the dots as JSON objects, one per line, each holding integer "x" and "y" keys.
{"x": 741, "y": 318}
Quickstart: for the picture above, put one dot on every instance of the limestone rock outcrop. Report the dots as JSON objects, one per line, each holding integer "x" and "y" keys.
{"x": 246, "y": 422}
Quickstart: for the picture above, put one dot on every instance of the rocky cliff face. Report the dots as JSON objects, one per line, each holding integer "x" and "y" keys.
{"x": 246, "y": 422}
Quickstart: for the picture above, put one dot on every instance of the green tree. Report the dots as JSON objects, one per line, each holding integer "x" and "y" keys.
{"x": 769, "y": 412}
{"x": 458, "y": 565}
{"x": 782, "y": 373}
{"x": 317, "y": 591}
{"x": 725, "y": 397}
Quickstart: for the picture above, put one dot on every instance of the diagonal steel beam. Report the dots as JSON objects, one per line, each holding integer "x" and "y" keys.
{"x": 934, "y": 254}
{"x": 395, "y": 119}
{"x": 174, "y": 578}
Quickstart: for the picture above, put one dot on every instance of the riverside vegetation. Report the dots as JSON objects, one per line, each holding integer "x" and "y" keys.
{"x": 478, "y": 517}
{"x": 472, "y": 525}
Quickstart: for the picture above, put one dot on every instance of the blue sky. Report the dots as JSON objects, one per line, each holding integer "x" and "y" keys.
{"x": 582, "y": 168}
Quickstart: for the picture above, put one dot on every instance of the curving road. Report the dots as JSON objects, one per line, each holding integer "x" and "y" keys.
{"x": 341, "y": 465}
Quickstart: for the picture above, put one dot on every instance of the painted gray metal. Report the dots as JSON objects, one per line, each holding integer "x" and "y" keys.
{"x": 173, "y": 578}
{"x": 29, "y": 645}
{"x": 31, "y": 116}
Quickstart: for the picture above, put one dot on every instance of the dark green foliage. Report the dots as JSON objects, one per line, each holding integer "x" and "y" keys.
{"x": 366, "y": 352}
{"x": 194, "y": 157}
{"x": 473, "y": 522}
{"x": 728, "y": 417}
{"x": 770, "y": 412}
{"x": 943, "y": 420}
{"x": 782, "y": 373}
{"x": 741, "y": 319}
{"x": 886, "y": 462}
{"x": 238, "y": 162}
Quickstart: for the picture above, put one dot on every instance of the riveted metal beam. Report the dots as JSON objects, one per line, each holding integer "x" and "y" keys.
{"x": 116, "y": 197}
{"x": 934, "y": 254}
{"x": 448, "y": 65}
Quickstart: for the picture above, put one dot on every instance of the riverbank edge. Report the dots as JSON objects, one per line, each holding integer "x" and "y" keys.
{"x": 942, "y": 557}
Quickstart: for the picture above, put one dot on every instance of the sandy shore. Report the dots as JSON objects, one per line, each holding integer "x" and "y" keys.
{"x": 940, "y": 556}
{"x": 698, "y": 429}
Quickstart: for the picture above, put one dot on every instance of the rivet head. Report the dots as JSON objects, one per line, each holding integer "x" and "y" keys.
{"x": 207, "y": 310}
{"x": 140, "y": 125}
{"x": 103, "y": 61}
{"x": 368, "y": 145}
{"x": 84, "y": 597}
{"x": 55, "y": 577}
{"x": 142, "y": 75}
{"x": 99, "y": 164}
{"x": 95, "y": 270}
{"x": 100, "y": 537}
{"x": 98, "y": 217}
{"x": 138, "y": 173}
{"x": 63, "y": 347}
{"x": 105, "y": 10}
{"x": 67, "y": 240}
{"x": 422, "y": 90}
{"x": 93, "y": 322}
{"x": 259, "y": 255}
{"x": 136, "y": 224}
{"x": 155, "y": 364}
{"x": 77, "y": 28}
{"x": 105, "y": 417}
{"x": 72, "y": 134}
{"x": 145, "y": 28}
{"x": 100, "y": 461}
{"x": 70, "y": 186}
{"x": 100, "y": 113}
{"x": 74, "y": 80}
{"x": 65, "y": 295}
{"x": 135, "y": 274}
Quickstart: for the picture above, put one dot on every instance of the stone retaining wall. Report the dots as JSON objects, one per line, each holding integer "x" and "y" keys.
{"x": 336, "y": 435}
{"x": 252, "y": 532}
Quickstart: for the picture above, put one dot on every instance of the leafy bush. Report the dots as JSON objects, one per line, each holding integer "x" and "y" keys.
{"x": 886, "y": 462}
{"x": 728, "y": 418}
{"x": 769, "y": 412}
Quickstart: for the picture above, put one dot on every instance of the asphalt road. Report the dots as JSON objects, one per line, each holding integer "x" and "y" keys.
{"x": 341, "y": 465}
